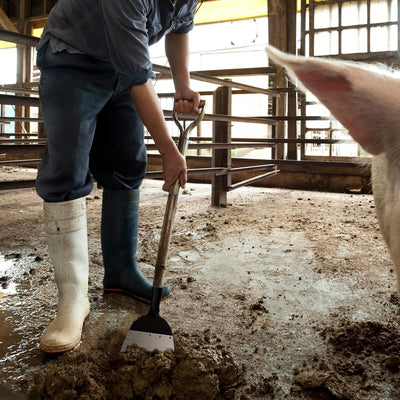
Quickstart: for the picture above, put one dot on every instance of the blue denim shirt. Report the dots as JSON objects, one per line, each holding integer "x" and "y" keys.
{"x": 117, "y": 31}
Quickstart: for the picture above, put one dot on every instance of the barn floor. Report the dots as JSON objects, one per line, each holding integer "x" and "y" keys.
{"x": 295, "y": 287}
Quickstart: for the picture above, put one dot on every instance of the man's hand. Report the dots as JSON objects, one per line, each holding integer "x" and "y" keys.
{"x": 187, "y": 101}
{"x": 174, "y": 167}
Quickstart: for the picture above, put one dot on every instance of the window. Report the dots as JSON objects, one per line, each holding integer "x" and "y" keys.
{"x": 360, "y": 30}
{"x": 349, "y": 27}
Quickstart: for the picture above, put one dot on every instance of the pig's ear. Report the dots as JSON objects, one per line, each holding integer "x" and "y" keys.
{"x": 317, "y": 75}
{"x": 337, "y": 86}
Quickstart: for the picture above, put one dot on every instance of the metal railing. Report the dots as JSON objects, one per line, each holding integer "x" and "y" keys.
{"x": 26, "y": 148}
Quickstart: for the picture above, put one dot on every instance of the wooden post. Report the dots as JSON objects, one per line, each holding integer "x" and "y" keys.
{"x": 21, "y": 64}
{"x": 291, "y": 12}
{"x": 277, "y": 33}
{"x": 282, "y": 15}
{"x": 301, "y": 96}
{"x": 221, "y": 134}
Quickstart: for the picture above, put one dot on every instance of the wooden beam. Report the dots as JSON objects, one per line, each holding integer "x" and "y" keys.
{"x": 18, "y": 38}
{"x": 238, "y": 71}
{"x": 6, "y": 23}
{"x": 222, "y": 82}
{"x": 19, "y": 100}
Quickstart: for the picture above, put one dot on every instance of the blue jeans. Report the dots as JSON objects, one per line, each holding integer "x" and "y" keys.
{"x": 92, "y": 128}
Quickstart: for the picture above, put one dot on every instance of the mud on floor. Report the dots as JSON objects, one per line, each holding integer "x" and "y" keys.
{"x": 292, "y": 293}
{"x": 199, "y": 368}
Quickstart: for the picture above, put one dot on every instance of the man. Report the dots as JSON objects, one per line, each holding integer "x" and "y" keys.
{"x": 96, "y": 94}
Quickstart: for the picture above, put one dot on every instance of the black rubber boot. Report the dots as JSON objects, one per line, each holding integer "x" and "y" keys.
{"x": 119, "y": 235}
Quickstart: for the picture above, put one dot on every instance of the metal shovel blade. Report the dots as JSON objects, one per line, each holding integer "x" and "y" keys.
{"x": 150, "y": 332}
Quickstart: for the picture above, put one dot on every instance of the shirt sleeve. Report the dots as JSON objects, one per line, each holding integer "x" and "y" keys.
{"x": 127, "y": 39}
{"x": 185, "y": 28}
{"x": 185, "y": 21}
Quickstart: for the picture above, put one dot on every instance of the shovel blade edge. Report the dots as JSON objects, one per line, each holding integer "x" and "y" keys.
{"x": 148, "y": 341}
{"x": 150, "y": 332}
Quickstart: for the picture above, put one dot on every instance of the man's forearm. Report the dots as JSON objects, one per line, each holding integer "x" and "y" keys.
{"x": 149, "y": 108}
{"x": 177, "y": 51}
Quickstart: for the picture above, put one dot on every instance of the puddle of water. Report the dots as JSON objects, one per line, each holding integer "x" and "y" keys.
{"x": 9, "y": 289}
{"x": 190, "y": 256}
{"x": 9, "y": 338}
{"x": 6, "y": 264}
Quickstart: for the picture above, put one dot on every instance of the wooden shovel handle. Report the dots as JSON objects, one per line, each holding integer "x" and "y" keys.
{"x": 172, "y": 201}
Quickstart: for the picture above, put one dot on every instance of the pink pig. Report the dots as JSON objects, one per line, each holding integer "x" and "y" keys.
{"x": 366, "y": 100}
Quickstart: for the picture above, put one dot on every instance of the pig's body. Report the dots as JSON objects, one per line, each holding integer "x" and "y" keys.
{"x": 387, "y": 204}
{"x": 367, "y": 102}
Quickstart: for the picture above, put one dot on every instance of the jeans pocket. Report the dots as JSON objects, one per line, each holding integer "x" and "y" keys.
{"x": 40, "y": 56}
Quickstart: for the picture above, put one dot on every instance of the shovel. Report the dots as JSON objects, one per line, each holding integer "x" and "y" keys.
{"x": 151, "y": 331}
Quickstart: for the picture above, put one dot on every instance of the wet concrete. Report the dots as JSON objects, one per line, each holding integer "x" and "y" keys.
{"x": 268, "y": 275}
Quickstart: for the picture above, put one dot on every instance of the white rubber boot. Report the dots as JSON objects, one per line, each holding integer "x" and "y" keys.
{"x": 68, "y": 249}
